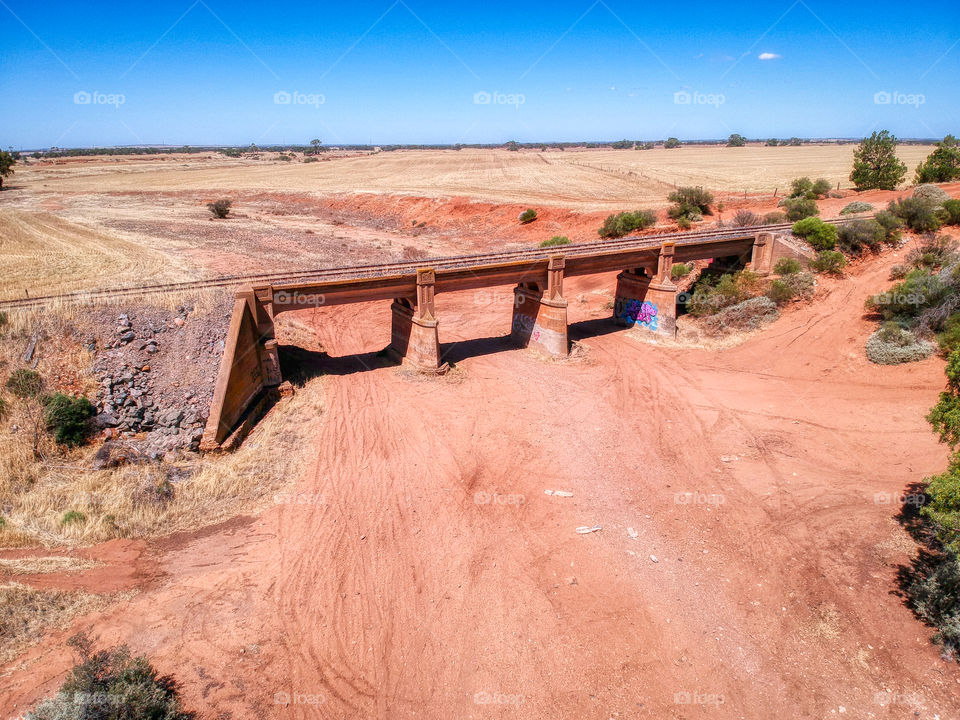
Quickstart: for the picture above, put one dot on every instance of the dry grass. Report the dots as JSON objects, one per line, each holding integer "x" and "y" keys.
{"x": 581, "y": 180}
{"x": 118, "y": 502}
{"x": 26, "y": 615}
{"x": 45, "y": 565}
{"x": 42, "y": 253}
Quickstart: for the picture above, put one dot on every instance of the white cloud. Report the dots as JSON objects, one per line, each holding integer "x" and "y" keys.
{"x": 769, "y": 56}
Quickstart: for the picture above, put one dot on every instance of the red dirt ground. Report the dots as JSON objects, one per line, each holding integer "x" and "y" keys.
{"x": 389, "y": 591}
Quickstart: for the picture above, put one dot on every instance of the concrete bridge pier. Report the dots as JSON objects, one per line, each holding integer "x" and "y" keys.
{"x": 414, "y": 340}
{"x": 761, "y": 258}
{"x": 648, "y": 301}
{"x": 540, "y": 316}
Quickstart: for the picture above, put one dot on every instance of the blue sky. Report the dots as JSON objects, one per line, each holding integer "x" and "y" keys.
{"x": 77, "y": 74}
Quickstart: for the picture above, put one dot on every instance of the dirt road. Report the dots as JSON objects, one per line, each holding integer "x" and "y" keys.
{"x": 419, "y": 569}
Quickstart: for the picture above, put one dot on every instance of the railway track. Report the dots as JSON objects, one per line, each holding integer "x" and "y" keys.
{"x": 383, "y": 269}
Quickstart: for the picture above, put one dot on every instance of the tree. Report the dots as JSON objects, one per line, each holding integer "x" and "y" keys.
{"x": 6, "y": 165}
{"x": 942, "y": 165}
{"x": 875, "y": 163}
{"x": 316, "y": 146}
{"x": 772, "y": 142}
{"x": 671, "y": 142}
{"x": 512, "y": 146}
{"x": 736, "y": 140}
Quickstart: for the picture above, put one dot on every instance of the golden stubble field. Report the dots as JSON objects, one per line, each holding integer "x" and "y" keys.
{"x": 581, "y": 180}
{"x": 95, "y": 222}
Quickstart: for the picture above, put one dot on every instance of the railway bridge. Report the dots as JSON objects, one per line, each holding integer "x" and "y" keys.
{"x": 645, "y": 297}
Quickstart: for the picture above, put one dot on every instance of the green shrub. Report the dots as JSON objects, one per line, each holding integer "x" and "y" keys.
{"x": 684, "y": 223}
{"x": 774, "y": 218}
{"x": 736, "y": 140}
{"x": 787, "y": 266}
{"x": 951, "y": 212}
{"x": 220, "y": 208}
{"x": 680, "y": 270}
{"x": 112, "y": 685}
{"x": 626, "y": 222}
{"x": 945, "y": 415}
{"x": 892, "y": 345}
{"x": 711, "y": 294}
{"x": 918, "y": 214}
{"x": 780, "y": 292}
{"x": 856, "y": 207}
{"x": 800, "y": 208}
{"x": 949, "y": 337}
{"x": 803, "y": 284}
{"x": 671, "y": 143}
{"x": 943, "y": 503}
{"x": 908, "y": 298}
{"x": 806, "y": 188}
{"x": 830, "y": 262}
{"x": 555, "y": 241}
{"x": 527, "y": 216}
{"x": 891, "y": 226}
{"x": 856, "y": 235}
{"x": 73, "y": 517}
{"x": 25, "y": 383}
{"x": 820, "y": 235}
{"x": 821, "y": 187}
{"x": 66, "y": 416}
{"x": 935, "y": 597}
{"x": 689, "y": 202}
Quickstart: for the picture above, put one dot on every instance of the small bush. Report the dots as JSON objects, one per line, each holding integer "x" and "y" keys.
{"x": 936, "y": 599}
{"x": 711, "y": 294}
{"x": 220, "y": 208}
{"x": 690, "y": 201}
{"x": 555, "y": 241}
{"x": 680, "y": 270}
{"x": 73, "y": 517}
{"x": 815, "y": 231}
{"x": 907, "y": 299}
{"x": 917, "y": 214}
{"x": 787, "y": 266}
{"x": 806, "y": 188}
{"x": 891, "y": 226}
{"x": 25, "y": 383}
{"x": 112, "y": 685}
{"x": 684, "y": 223}
{"x": 856, "y": 207}
{"x": 951, "y": 213}
{"x": 66, "y": 416}
{"x": 856, "y": 235}
{"x": 746, "y": 315}
{"x": 626, "y": 222}
{"x": 949, "y": 338}
{"x": 527, "y": 216}
{"x": 932, "y": 194}
{"x": 746, "y": 218}
{"x": 780, "y": 292}
{"x": 800, "y": 208}
{"x": 899, "y": 272}
{"x": 933, "y": 251}
{"x": 892, "y": 345}
{"x": 774, "y": 218}
{"x": 830, "y": 262}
